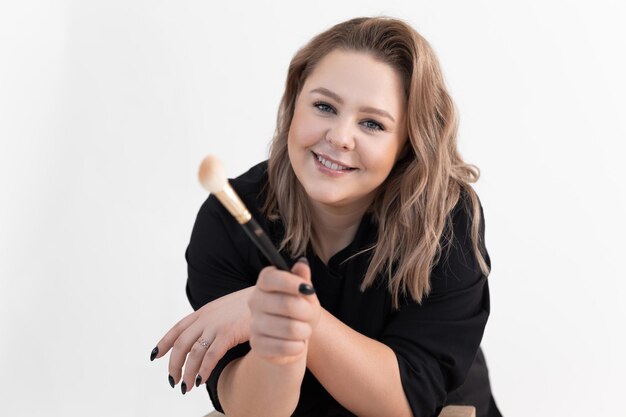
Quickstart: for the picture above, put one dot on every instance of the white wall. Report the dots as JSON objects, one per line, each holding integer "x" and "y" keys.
{"x": 107, "y": 108}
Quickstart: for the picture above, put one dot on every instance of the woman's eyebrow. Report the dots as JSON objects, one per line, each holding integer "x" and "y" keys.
{"x": 367, "y": 109}
{"x": 327, "y": 92}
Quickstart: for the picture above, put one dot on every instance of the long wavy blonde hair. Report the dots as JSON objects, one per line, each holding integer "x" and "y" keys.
{"x": 414, "y": 203}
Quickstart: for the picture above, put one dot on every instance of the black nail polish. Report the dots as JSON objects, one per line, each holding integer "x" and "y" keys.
{"x": 303, "y": 259}
{"x": 198, "y": 380}
{"x": 154, "y": 353}
{"x": 306, "y": 289}
{"x": 183, "y": 388}
{"x": 171, "y": 379}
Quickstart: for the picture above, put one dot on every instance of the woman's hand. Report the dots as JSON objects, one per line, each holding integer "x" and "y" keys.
{"x": 285, "y": 311}
{"x": 204, "y": 336}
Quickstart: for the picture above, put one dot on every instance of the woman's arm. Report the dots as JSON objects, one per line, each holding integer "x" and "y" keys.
{"x": 362, "y": 374}
{"x": 284, "y": 312}
{"x": 252, "y": 386}
{"x": 424, "y": 351}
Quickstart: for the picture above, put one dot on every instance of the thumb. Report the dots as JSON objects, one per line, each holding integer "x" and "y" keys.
{"x": 302, "y": 269}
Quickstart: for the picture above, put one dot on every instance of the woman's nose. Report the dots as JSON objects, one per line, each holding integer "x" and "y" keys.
{"x": 341, "y": 135}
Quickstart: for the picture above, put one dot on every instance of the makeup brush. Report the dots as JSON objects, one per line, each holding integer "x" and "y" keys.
{"x": 212, "y": 178}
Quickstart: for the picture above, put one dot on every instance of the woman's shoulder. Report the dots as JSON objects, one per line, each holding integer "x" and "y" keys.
{"x": 463, "y": 214}
{"x": 457, "y": 264}
{"x": 257, "y": 174}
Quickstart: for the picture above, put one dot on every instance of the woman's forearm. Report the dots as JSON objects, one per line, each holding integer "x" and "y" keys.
{"x": 362, "y": 374}
{"x": 252, "y": 386}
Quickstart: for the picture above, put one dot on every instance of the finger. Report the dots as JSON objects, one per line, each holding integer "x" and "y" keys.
{"x": 216, "y": 351}
{"x": 302, "y": 269}
{"x": 167, "y": 341}
{"x": 282, "y": 327}
{"x": 273, "y": 280}
{"x": 181, "y": 348}
{"x": 194, "y": 360}
{"x": 281, "y": 304}
{"x": 269, "y": 347}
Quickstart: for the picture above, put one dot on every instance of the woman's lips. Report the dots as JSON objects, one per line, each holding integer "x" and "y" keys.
{"x": 329, "y": 171}
{"x": 333, "y": 161}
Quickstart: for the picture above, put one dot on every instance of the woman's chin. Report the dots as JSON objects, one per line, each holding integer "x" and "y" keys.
{"x": 326, "y": 197}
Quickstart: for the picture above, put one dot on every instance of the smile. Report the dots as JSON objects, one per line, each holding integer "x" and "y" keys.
{"x": 331, "y": 165}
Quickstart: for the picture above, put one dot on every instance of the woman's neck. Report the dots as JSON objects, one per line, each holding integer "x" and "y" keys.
{"x": 334, "y": 228}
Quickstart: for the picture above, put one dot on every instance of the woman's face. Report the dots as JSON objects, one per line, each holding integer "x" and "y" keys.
{"x": 348, "y": 128}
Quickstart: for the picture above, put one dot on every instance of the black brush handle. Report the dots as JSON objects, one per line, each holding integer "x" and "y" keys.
{"x": 265, "y": 245}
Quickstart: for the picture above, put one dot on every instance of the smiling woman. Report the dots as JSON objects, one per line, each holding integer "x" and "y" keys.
{"x": 365, "y": 194}
{"x": 338, "y": 152}
{"x": 325, "y": 138}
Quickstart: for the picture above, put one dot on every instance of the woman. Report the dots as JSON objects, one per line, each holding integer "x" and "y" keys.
{"x": 385, "y": 309}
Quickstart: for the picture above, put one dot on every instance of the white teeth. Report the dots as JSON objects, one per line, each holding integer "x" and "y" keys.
{"x": 331, "y": 165}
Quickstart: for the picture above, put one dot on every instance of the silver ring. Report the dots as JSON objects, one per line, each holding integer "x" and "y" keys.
{"x": 204, "y": 343}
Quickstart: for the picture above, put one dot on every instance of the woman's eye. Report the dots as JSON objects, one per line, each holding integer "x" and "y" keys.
{"x": 323, "y": 107}
{"x": 372, "y": 125}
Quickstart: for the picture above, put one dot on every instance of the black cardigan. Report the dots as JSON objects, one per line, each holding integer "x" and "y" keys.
{"x": 435, "y": 342}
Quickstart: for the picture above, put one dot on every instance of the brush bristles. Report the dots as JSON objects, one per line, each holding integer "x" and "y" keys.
{"x": 211, "y": 174}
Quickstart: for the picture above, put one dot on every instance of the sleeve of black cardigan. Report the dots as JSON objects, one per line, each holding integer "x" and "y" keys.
{"x": 436, "y": 342}
{"x": 217, "y": 265}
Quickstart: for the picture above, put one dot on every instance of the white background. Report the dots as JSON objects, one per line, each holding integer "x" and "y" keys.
{"x": 107, "y": 108}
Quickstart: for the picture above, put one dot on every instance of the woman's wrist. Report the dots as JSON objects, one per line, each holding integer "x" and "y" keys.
{"x": 254, "y": 383}
{"x": 283, "y": 363}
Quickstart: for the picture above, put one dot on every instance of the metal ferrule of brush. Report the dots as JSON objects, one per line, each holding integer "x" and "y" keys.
{"x": 229, "y": 199}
